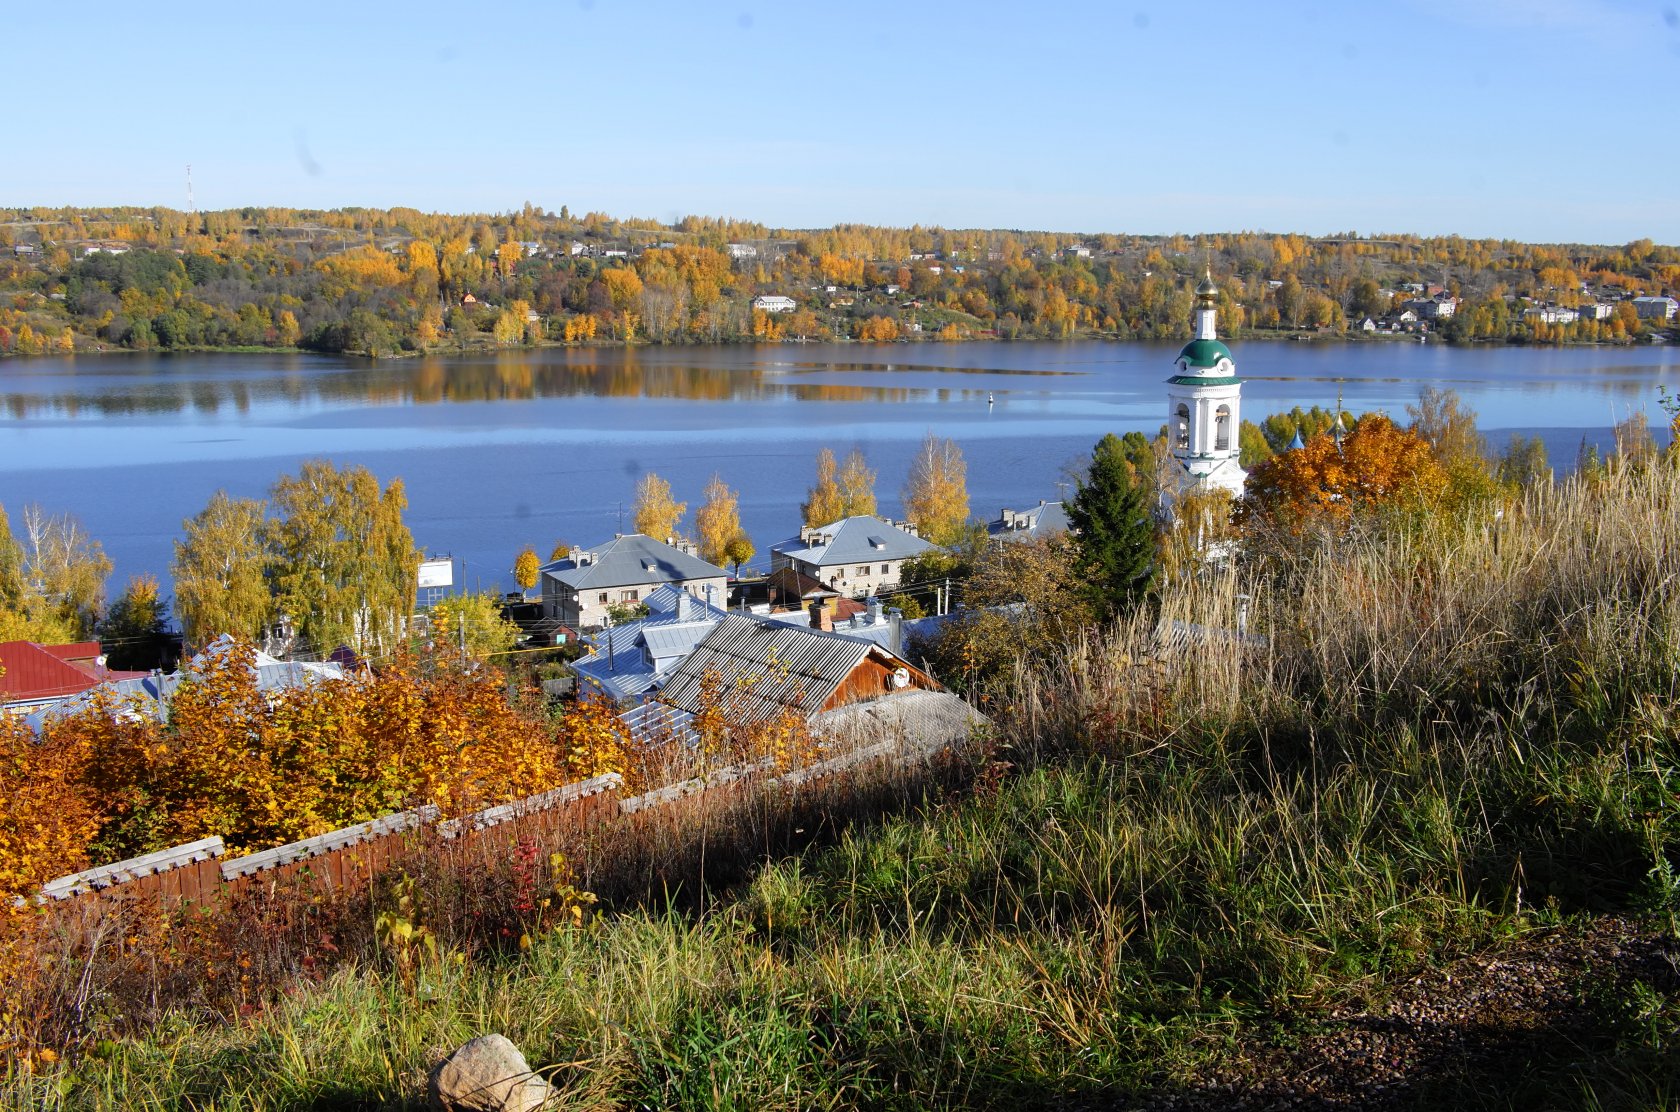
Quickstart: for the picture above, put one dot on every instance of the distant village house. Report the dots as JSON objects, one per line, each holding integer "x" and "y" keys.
{"x": 624, "y": 571}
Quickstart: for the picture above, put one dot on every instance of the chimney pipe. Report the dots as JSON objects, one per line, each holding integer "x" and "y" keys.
{"x": 895, "y": 640}
{"x": 820, "y": 616}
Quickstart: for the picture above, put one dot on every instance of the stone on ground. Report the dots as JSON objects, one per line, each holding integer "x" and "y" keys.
{"x": 487, "y": 1074}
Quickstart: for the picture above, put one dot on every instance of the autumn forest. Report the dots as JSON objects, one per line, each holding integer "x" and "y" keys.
{"x": 389, "y": 282}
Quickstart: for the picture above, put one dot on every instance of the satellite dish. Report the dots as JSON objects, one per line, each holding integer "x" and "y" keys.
{"x": 901, "y": 677}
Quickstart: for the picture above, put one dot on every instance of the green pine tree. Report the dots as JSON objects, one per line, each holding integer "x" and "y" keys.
{"x": 1116, "y": 537}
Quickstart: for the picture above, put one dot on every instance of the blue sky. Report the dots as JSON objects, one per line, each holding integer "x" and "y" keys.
{"x": 1541, "y": 120}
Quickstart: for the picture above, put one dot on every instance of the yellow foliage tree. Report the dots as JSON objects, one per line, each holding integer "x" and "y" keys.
{"x": 878, "y": 330}
{"x": 472, "y": 625}
{"x": 624, "y": 287}
{"x": 508, "y": 329}
{"x": 936, "y": 492}
{"x": 824, "y": 502}
{"x": 857, "y": 485}
{"x": 592, "y": 741}
{"x": 47, "y": 819}
{"x": 430, "y": 326}
{"x": 657, "y": 512}
{"x": 287, "y": 329}
{"x": 527, "y": 569}
{"x": 717, "y": 521}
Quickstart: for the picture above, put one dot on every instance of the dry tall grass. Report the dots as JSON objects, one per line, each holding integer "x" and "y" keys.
{"x": 1442, "y": 736}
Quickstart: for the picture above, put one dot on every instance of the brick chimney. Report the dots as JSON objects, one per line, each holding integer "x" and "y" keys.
{"x": 821, "y": 617}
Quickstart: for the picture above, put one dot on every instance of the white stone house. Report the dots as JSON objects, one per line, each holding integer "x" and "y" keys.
{"x": 623, "y": 572}
{"x": 856, "y": 556}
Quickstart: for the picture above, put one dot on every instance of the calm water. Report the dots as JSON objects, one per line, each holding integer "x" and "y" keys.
{"x": 502, "y": 451}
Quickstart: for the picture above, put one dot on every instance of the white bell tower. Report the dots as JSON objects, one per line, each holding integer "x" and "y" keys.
{"x": 1204, "y": 406}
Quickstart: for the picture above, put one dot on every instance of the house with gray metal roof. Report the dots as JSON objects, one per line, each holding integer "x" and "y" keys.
{"x": 623, "y": 571}
{"x": 633, "y": 659}
{"x": 1043, "y": 520}
{"x": 856, "y": 556}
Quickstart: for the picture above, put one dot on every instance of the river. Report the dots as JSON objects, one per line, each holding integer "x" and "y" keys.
{"x": 529, "y": 447}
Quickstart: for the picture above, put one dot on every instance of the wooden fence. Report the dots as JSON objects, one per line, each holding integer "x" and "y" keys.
{"x": 348, "y": 860}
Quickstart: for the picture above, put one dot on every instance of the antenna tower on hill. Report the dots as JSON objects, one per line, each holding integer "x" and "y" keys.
{"x": 191, "y": 208}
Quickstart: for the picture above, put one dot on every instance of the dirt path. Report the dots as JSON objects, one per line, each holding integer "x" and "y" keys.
{"x": 1532, "y": 1026}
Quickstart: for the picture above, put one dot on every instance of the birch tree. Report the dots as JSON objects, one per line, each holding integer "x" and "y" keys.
{"x": 936, "y": 493}
{"x": 344, "y": 562}
{"x": 220, "y": 571}
{"x": 824, "y": 503}
{"x": 527, "y": 569}
{"x": 64, "y": 571}
{"x": 857, "y": 485}
{"x": 717, "y": 521}
{"x": 657, "y": 513}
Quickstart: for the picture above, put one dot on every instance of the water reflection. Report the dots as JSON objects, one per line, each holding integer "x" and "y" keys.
{"x": 141, "y": 385}
{"x": 510, "y": 376}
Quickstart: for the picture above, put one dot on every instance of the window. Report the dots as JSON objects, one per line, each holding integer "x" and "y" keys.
{"x": 863, "y": 571}
{"x": 1181, "y": 434}
{"x": 1222, "y": 429}
{"x": 605, "y": 598}
{"x": 628, "y": 596}
{"x": 883, "y": 569}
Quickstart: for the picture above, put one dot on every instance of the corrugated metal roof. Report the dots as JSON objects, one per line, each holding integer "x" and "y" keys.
{"x": 766, "y": 666}
{"x": 655, "y": 724}
{"x": 618, "y": 666}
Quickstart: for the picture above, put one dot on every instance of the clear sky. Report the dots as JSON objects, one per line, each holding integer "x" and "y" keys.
{"x": 1542, "y": 120}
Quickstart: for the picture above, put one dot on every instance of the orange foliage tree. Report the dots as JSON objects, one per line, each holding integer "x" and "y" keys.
{"x": 1377, "y": 463}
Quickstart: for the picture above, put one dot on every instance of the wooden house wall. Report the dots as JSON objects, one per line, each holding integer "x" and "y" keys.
{"x": 871, "y": 679}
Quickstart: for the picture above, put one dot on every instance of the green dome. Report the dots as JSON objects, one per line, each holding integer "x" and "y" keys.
{"x": 1204, "y": 353}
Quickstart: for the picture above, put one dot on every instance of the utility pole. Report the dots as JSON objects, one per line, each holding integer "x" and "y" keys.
{"x": 192, "y": 209}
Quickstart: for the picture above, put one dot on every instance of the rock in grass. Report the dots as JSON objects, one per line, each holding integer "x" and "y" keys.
{"x": 487, "y": 1074}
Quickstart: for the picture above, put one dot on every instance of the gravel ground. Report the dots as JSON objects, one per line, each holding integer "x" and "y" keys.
{"x": 1523, "y": 1027}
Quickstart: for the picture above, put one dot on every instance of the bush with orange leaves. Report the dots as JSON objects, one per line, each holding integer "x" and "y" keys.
{"x": 592, "y": 741}
{"x": 47, "y": 818}
{"x": 261, "y": 768}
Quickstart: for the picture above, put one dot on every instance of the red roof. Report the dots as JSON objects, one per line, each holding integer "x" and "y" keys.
{"x": 37, "y": 672}
{"x": 33, "y": 672}
{"x": 80, "y": 653}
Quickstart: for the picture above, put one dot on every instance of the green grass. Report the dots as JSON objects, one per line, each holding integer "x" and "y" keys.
{"x": 1164, "y": 866}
